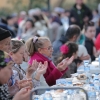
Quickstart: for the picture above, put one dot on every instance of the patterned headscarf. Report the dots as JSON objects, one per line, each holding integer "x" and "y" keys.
{"x": 4, "y": 59}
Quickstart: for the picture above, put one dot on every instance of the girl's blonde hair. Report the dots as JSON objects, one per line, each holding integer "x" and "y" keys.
{"x": 16, "y": 45}
{"x": 33, "y": 46}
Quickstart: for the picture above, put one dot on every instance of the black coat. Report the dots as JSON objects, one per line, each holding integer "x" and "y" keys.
{"x": 89, "y": 46}
{"x": 80, "y": 15}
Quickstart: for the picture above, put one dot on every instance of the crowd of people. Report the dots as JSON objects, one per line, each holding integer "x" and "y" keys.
{"x": 39, "y": 47}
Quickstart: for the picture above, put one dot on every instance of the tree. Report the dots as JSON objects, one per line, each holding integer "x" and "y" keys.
{"x": 17, "y": 5}
{"x": 37, "y": 3}
{"x": 61, "y": 3}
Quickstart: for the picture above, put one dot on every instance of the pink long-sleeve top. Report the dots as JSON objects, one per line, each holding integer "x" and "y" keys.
{"x": 52, "y": 73}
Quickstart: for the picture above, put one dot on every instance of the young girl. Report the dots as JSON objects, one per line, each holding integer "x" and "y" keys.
{"x": 67, "y": 50}
{"x": 6, "y": 64}
{"x": 40, "y": 48}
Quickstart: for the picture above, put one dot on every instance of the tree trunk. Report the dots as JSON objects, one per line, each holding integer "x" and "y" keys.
{"x": 61, "y": 3}
{"x": 30, "y": 4}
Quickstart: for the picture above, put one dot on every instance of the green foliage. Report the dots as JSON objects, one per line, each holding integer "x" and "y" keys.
{"x": 93, "y": 4}
{"x": 5, "y": 12}
{"x": 17, "y": 5}
{"x": 38, "y": 3}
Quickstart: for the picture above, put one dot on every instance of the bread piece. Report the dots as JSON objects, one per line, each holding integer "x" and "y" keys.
{"x": 82, "y": 77}
{"x": 78, "y": 84}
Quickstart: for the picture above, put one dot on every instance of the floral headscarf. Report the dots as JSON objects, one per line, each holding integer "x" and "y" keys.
{"x": 4, "y": 59}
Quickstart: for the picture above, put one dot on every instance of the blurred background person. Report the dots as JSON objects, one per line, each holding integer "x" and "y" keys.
{"x": 80, "y": 14}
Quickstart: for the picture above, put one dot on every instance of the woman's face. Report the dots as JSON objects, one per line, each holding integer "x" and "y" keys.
{"x": 47, "y": 49}
{"x": 19, "y": 55}
{"x": 5, "y": 45}
{"x": 28, "y": 25}
{"x": 6, "y": 73}
{"x": 91, "y": 31}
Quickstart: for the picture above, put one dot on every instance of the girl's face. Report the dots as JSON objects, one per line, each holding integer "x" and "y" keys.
{"x": 6, "y": 73}
{"x": 19, "y": 55}
{"x": 75, "y": 55}
{"x": 5, "y": 45}
{"x": 47, "y": 49}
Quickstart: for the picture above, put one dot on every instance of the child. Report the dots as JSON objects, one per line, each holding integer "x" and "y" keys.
{"x": 90, "y": 32}
{"x": 40, "y": 48}
{"x": 67, "y": 50}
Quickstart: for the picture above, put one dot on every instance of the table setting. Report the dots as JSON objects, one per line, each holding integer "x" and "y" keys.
{"x": 87, "y": 78}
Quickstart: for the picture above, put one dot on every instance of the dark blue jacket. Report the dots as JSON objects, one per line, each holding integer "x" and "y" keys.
{"x": 57, "y": 44}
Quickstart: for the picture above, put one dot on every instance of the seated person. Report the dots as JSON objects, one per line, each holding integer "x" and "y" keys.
{"x": 40, "y": 49}
{"x": 72, "y": 35}
{"x": 90, "y": 32}
{"x": 6, "y": 64}
{"x": 67, "y": 50}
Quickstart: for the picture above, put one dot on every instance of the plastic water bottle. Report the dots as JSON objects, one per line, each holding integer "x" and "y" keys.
{"x": 98, "y": 96}
{"x": 47, "y": 96}
{"x": 69, "y": 92}
{"x": 91, "y": 92}
{"x": 36, "y": 97}
{"x": 97, "y": 84}
{"x": 76, "y": 96}
{"x": 96, "y": 76}
{"x": 99, "y": 60}
{"x": 69, "y": 84}
{"x": 86, "y": 66}
{"x": 64, "y": 95}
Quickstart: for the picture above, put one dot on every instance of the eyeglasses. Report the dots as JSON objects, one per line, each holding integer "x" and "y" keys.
{"x": 48, "y": 48}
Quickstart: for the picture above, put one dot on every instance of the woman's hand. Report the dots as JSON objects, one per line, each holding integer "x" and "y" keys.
{"x": 32, "y": 69}
{"x": 25, "y": 83}
{"x": 65, "y": 63}
{"x": 23, "y": 94}
{"x": 13, "y": 89}
{"x": 87, "y": 57}
{"x": 41, "y": 70}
